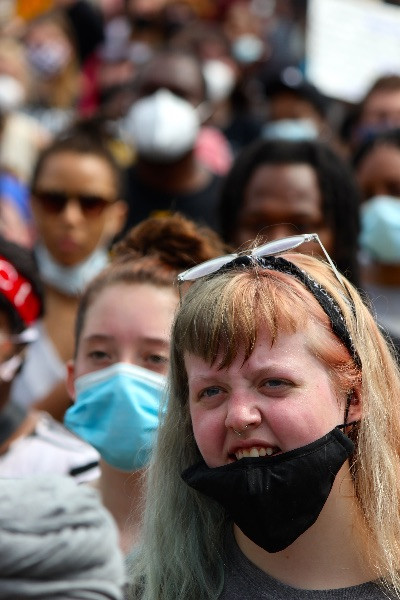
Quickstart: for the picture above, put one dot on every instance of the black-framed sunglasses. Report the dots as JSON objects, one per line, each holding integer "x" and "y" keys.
{"x": 54, "y": 202}
{"x": 269, "y": 249}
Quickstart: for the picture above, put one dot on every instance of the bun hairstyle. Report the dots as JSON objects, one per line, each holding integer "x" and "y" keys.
{"x": 173, "y": 240}
{"x": 153, "y": 252}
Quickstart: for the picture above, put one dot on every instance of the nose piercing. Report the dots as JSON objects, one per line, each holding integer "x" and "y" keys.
{"x": 240, "y": 433}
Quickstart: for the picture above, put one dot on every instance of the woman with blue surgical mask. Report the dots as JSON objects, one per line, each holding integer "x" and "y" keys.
{"x": 117, "y": 378}
{"x": 377, "y": 167}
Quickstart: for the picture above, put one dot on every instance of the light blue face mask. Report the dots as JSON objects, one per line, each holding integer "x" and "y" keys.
{"x": 380, "y": 229}
{"x": 70, "y": 280}
{"x": 248, "y": 48}
{"x": 290, "y": 129}
{"x": 117, "y": 411}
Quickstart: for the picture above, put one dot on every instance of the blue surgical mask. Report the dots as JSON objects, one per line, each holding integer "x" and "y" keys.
{"x": 248, "y": 48}
{"x": 290, "y": 129}
{"x": 380, "y": 229}
{"x": 117, "y": 411}
{"x": 70, "y": 280}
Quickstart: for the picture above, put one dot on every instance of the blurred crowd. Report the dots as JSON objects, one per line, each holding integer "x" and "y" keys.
{"x": 167, "y": 131}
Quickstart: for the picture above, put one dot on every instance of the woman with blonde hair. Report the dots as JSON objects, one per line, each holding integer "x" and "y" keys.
{"x": 276, "y": 472}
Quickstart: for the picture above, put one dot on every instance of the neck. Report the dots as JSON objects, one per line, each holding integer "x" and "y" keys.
{"x": 59, "y": 297}
{"x": 122, "y": 495}
{"x": 185, "y": 175}
{"x": 328, "y": 554}
{"x": 381, "y": 274}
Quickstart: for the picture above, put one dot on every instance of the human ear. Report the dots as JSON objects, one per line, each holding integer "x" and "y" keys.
{"x": 70, "y": 382}
{"x": 354, "y": 406}
{"x": 116, "y": 217}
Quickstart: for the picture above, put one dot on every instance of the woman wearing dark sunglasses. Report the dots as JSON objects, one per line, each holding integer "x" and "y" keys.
{"x": 276, "y": 471}
{"x": 77, "y": 212}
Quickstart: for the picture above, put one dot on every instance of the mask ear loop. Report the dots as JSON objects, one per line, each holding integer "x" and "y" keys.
{"x": 347, "y": 409}
{"x": 350, "y": 429}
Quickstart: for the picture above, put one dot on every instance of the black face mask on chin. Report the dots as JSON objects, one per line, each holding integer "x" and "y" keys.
{"x": 274, "y": 499}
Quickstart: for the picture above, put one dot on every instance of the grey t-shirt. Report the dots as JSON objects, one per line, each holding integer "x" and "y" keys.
{"x": 245, "y": 581}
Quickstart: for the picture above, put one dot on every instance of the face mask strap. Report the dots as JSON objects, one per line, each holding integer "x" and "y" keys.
{"x": 349, "y": 428}
{"x": 325, "y": 300}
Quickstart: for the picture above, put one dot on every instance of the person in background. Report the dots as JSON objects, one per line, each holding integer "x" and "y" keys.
{"x": 163, "y": 126}
{"x": 282, "y": 187}
{"x": 275, "y": 473}
{"x": 230, "y": 105}
{"x": 377, "y": 169}
{"x": 75, "y": 199}
{"x": 58, "y": 543}
{"x": 56, "y": 76}
{"x": 21, "y": 136}
{"x": 121, "y": 356}
{"x": 87, "y": 25}
{"x": 31, "y": 442}
{"x": 21, "y": 140}
{"x": 378, "y": 111}
{"x": 295, "y": 108}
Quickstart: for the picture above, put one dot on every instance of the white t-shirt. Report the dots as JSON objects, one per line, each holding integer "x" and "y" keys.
{"x": 50, "y": 449}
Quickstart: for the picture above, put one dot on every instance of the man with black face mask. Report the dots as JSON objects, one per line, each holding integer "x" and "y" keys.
{"x": 31, "y": 442}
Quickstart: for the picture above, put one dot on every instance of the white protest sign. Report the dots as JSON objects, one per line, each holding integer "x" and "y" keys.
{"x": 349, "y": 44}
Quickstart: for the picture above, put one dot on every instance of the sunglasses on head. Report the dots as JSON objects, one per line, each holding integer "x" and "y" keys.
{"x": 55, "y": 202}
{"x": 270, "y": 249}
{"x": 266, "y": 256}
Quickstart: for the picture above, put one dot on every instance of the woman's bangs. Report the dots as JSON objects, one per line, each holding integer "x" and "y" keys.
{"x": 222, "y": 318}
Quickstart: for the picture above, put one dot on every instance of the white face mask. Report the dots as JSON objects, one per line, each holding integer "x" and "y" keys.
{"x": 12, "y": 94}
{"x": 49, "y": 58}
{"x": 70, "y": 280}
{"x": 162, "y": 127}
{"x": 220, "y": 79}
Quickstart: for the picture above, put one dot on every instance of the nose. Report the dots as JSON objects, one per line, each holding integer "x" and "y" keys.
{"x": 72, "y": 211}
{"x": 242, "y": 413}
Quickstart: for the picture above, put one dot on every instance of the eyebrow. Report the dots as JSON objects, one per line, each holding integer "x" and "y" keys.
{"x": 256, "y": 371}
{"x": 102, "y": 337}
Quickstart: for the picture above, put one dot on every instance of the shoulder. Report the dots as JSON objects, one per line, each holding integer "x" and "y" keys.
{"x": 50, "y": 449}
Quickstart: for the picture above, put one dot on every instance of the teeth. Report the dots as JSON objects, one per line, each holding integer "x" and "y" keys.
{"x": 253, "y": 452}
